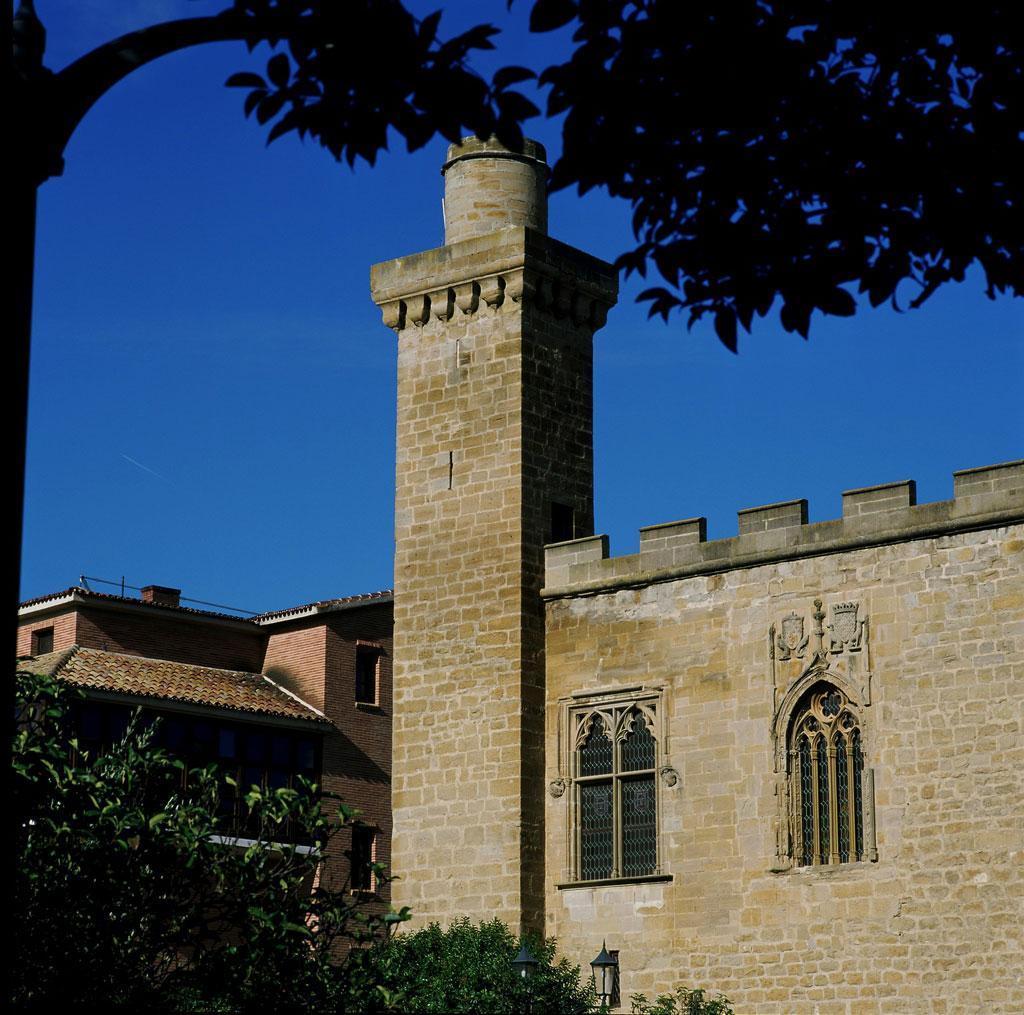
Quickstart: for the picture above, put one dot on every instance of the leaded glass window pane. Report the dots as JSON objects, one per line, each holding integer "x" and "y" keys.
{"x": 596, "y": 752}
{"x": 806, "y": 804}
{"x": 823, "y": 802}
{"x": 639, "y": 827}
{"x": 858, "y": 800}
{"x": 842, "y": 801}
{"x": 638, "y": 747}
{"x": 596, "y": 830}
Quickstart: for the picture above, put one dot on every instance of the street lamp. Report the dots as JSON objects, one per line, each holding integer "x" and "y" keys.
{"x": 525, "y": 966}
{"x": 524, "y": 963}
{"x": 606, "y": 970}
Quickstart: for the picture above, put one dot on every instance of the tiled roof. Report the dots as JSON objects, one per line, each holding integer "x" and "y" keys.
{"x": 81, "y": 592}
{"x": 160, "y": 678}
{"x": 325, "y": 605}
{"x": 322, "y": 606}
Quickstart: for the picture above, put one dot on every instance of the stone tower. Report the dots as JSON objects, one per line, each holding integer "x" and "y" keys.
{"x": 494, "y": 459}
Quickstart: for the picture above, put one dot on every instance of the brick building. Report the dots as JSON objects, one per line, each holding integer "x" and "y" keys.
{"x": 301, "y": 691}
{"x": 787, "y": 765}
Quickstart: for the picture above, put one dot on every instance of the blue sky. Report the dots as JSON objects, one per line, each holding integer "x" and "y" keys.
{"x": 212, "y": 391}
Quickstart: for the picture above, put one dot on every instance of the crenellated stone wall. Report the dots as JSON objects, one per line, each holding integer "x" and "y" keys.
{"x": 916, "y": 613}
{"x": 774, "y": 532}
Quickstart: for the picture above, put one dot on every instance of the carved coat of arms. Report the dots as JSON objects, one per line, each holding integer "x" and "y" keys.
{"x": 791, "y": 642}
{"x": 846, "y": 630}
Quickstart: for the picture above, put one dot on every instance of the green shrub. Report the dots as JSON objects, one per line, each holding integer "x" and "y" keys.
{"x": 682, "y": 1001}
{"x": 124, "y": 897}
{"x": 464, "y": 969}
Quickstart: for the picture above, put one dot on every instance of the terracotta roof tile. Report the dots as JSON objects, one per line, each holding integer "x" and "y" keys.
{"x": 325, "y": 605}
{"x": 160, "y": 678}
{"x": 81, "y": 592}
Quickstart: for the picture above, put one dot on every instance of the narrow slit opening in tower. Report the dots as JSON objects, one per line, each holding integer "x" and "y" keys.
{"x": 563, "y": 523}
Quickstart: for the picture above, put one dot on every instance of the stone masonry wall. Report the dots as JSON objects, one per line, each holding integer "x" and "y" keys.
{"x": 457, "y": 731}
{"x": 935, "y": 924}
{"x": 476, "y": 399}
{"x": 494, "y": 424}
{"x": 486, "y": 188}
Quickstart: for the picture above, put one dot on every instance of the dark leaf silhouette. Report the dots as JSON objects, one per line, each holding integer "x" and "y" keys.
{"x": 278, "y": 70}
{"x": 725, "y": 328}
{"x": 512, "y": 76}
{"x": 549, "y": 14}
{"x": 363, "y": 68}
{"x": 269, "y": 107}
{"x": 253, "y": 99}
{"x": 245, "y": 79}
{"x": 838, "y": 302}
{"x": 789, "y": 152}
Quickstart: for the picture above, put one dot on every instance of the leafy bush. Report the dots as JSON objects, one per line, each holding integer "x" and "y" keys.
{"x": 464, "y": 969}
{"x": 124, "y": 895}
{"x": 682, "y": 1001}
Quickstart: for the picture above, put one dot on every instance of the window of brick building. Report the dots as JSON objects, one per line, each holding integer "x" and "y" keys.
{"x": 826, "y": 773}
{"x": 42, "y": 641}
{"x": 615, "y": 766}
{"x": 367, "y": 674}
{"x": 252, "y": 755}
{"x": 362, "y": 858}
{"x": 97, "y": 726}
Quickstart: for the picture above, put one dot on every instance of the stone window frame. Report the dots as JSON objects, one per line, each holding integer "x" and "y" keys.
{"x": 791, "y": 709}
{"x": 575, "y": 713}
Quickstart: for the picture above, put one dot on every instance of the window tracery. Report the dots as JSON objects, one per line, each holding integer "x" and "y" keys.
{"x": 615, "y": 764}
{"x": 826, "y": 775}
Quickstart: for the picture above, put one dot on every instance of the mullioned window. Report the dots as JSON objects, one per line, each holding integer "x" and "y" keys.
{"x": 826, "y": 772}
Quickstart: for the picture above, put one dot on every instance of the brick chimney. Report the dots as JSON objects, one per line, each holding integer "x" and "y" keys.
{"x": 161, "y": 595}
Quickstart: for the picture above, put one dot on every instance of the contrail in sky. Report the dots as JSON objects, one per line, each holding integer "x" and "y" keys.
{"x": 145, "y": 468}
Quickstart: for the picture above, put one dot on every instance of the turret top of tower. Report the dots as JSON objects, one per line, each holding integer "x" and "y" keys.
{"x": 475, "y": 147}
{"x": 488, "y": 187}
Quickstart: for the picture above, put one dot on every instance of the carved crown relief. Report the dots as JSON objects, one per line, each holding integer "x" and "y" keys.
{"x": 847, "y": 631}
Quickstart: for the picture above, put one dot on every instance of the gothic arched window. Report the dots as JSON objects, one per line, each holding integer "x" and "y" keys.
{"x": 826, "y": 773}
{"x": 616, "y": 761}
